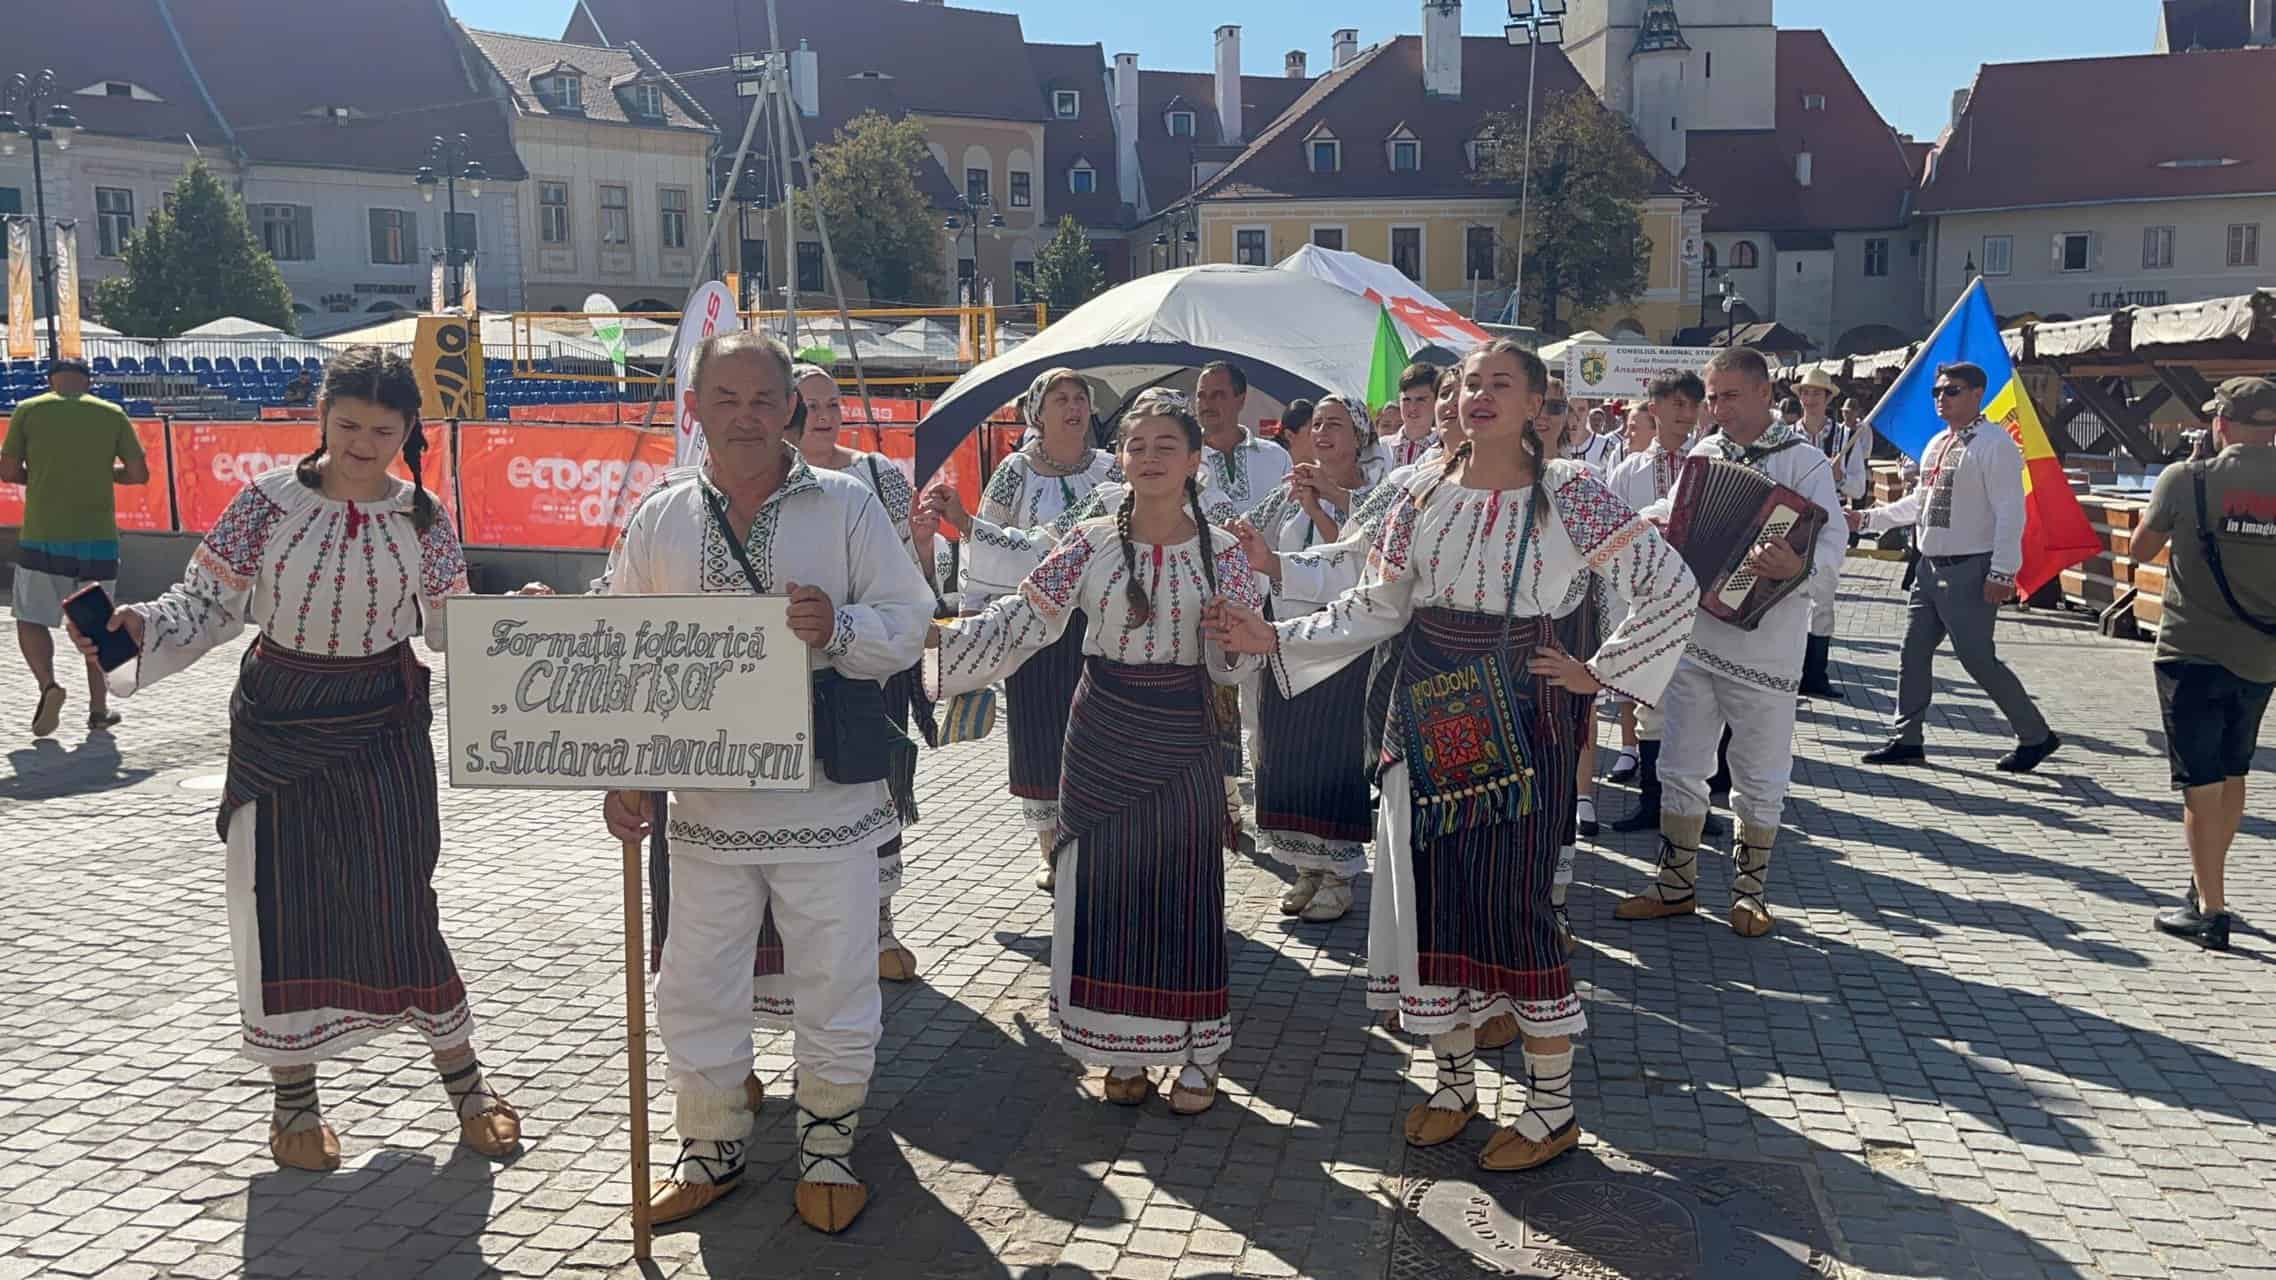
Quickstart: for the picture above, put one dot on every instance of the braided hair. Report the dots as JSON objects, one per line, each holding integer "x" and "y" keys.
{"x": 386, "y": 379}
{"x": 1149, "y": 406}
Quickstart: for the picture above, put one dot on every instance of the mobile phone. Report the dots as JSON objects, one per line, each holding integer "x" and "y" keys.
{"x": 90, "y": 610}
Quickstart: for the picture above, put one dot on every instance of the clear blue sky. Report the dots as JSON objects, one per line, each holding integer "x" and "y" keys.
{"x": 1908, "y": 55}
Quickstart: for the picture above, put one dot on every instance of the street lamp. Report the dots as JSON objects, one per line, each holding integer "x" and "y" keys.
{"x": 43, "y": 120}
{"x": 1532, "y": 23}
{"x": 969, "y": 216}
{"x": 1178, "y": 241}
{"x": 1731, "y": 304}
{"x": 449, "y": 162}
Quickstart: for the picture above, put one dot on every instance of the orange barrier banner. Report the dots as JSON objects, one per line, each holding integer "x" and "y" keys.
{"x": 142, "y": 507}
{"x": 599, "y": 411}
{"x": 214, "y": 460}
{"x": 963, "y": 471}
{"x": 556, "y": 488}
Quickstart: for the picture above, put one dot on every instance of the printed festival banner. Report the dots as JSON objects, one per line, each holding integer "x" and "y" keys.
{"x": 448, "y": 359}
{"x": 1616, "y": 371}
{"x": 557, "y": 488}
{"x": 67, "y": 331}
{"x": 711, "y": 310}
{"x": 213, "y": 460}
{"x": 142, "y": 508}
{"x": 686, "y": 693}
{"x": 22, "y": 342}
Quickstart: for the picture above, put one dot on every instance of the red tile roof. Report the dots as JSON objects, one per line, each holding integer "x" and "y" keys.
{"x": 1089, "y": 136}
{"x": 1166, "y": 162}
{"x": 271, "y": 69}
{"x": 2088, "y": 130}
{"x": 1860, "y": 172}
{"x": 1361, "y": 102}
{"x": 518, "y": 58}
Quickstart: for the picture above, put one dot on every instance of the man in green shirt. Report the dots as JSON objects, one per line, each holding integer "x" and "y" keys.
{"x": 67, "y": 449}
{"x": 2216, "y": 644}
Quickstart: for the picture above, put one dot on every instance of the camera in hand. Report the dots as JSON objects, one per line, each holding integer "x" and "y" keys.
{"x": 90, "y": 611}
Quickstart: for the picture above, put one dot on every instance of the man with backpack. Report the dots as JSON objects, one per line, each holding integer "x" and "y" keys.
{"x": 2216, "y": 645}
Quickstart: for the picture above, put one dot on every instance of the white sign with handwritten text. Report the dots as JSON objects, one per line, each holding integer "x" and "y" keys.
{"x": 683, "y": 693}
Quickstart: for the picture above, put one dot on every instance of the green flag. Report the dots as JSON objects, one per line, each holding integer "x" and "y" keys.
{"x": 1390, "y": 361}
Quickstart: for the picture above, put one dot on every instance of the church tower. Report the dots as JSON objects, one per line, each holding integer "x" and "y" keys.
{"x": 1705, "y": 64}
{"x": 1656, "y": 66}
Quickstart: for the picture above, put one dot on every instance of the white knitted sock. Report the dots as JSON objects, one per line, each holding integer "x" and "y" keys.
{"x": 1548, "y": 1094}
{"x": 1457, "y": 1055}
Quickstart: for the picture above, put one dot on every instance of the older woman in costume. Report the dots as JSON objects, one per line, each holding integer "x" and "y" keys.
{"x": 329, "y": 812}
{"x": 1138, "y": 962}
{"x": 1471, "y": 571}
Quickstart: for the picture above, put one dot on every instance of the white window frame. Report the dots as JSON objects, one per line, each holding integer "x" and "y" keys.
{"x": 1014, "y": 197}
{"x": 1261, "y": 229}
{"x": 2063, "y": 264}
{"x": 1073, "y": 188}
{"x": 623, "y": 212}
{"x": 291, "y": 217}
{"x": 2244, "y": 236}
{"x": 647, "y": 101}
{"x": 2007, "y": 255}
{"x": 113, "y": 227}
{"x": 2157, "y": 247}
{"x": 1343, "y": 234}
{"x": 671, "y": 223}
{"x": 1170, "y": 122}
{"x": 1311, "y": 154}
{"x": 1813, "y": 102}
{"x": 1066, "y": 104}
{"x": 1393, "y": 157}
{"x": 546, "y": 233}
{"x": 561, "y": 91}
{"x": 1422, "y": 247}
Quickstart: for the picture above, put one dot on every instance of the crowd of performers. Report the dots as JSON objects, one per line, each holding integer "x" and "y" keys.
{"x": 1402, "y": 624}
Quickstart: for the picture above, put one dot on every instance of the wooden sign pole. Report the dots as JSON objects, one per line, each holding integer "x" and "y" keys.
{"x": 636, "y": 1047}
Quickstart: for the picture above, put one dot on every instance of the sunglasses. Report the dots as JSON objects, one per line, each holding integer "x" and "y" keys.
{"x": 1942, "y": 392}
{"x": 1554, "y": 406}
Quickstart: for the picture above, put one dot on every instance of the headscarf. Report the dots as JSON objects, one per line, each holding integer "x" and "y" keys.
{"x": 1031, "y": 404}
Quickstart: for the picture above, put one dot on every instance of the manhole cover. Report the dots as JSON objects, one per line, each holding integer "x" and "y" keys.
{"x": 1607, "y": 1215}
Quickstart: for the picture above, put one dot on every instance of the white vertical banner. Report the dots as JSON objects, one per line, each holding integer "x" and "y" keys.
{"x": 710, "y": 311}
{"x": 21, "y": 344}
{"x": 469, "y": 299}
{"x": 437, "y": 301}
{"x": 67, "y": 295}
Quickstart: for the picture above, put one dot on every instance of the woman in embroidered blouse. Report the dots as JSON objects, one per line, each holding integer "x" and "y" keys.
{"x": 329, "y": 812}
{"x": 1480, "y": 561}
{"x": 1138, "y": 960}
{"x": 818, "y": 442}
{"x": 1312, "y": 779}
{"x": 1049, "y": 478}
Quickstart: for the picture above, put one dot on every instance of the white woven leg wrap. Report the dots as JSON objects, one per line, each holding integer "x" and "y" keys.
{"x": 1562, "y": 882}
{"x": 1548, "y": 1094}
{"x": 1750, "y": 873}
{"x": 1457, "y": 1055}
{"x": 827, "y": 1117}
{"x": 701, "y": 1111}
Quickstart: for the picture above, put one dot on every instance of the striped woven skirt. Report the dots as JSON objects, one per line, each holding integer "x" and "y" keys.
{"x": 329, "y": 815}
{"x": 1312, "y": 773}
{"x": 1138, "y": 957}
{"x": 1037, "y": 698}
{"x": 1461, "y": 929}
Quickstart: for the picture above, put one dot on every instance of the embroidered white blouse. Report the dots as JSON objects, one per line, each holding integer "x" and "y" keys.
{"x": 1644, "y": 480}
{"x": 1086, "y": 571}
{"x": 1456, "y": 548}
{"x": 1002, "y": 555}
{"x": 330, "y": 578}
{"x": 1022, "y": 496}
{"x": 1323, "y": 572}
{"x": 1285, "y": 524}
{"x": 1248, "y": 472}
{"x": 820, "y": 529}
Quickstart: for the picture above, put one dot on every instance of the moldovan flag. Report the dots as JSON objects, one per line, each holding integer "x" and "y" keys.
{"x": 1389, "y": 361}
{"x": 2056, "y": 534}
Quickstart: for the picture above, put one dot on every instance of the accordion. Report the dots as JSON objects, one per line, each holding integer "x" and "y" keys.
{"x": 1722, "y": 512}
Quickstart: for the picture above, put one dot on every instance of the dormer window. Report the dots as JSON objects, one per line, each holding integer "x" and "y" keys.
{"x": 1082, "y": 180}
{"x": 1480, "y": 152}
{"x": 560, "y": 87}
{"x": 1323, "y": 151}
{"x": 1066, "y": 104}
{"x": 1813, "y": 102}
{"x": 1404, "y": 150}
{"x": 119, "y": 89}
{"x": 645, "y": 100}
{"x": 1181, "y": 124}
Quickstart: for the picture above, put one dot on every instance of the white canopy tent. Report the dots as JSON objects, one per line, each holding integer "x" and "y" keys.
{"x": 1424, "y": 321}
{"x": 1291, "y": 334}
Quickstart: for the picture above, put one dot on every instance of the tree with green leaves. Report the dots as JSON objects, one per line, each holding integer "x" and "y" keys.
{"x": 1585, "y": 244}
{"x": 1067, "y": 273}
{"x": 196, "y": 261}
{"x": 882, "y": 228}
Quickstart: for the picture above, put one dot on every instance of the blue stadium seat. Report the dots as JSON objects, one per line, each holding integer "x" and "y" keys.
{"x": 269, "y": 364}
{"x": 103, "y": 365}
{"x": 200, "y": 364}
{"x": 142, "y": 408}
{"x": 176, "y": 364}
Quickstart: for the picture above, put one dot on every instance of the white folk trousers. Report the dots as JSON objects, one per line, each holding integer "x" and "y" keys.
{"x": 1698, "y": 704}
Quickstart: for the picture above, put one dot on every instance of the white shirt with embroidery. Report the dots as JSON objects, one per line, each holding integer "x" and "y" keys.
{"x": 1406, "y": 451}
{"x": 1323, "y": 572}
{"x": 1247, "y": 473}
{"x": 820, "y": 529}
{"x": 1644, "y": 480}
{"x": 1449, "y": 547}
{"x": 1023, "y": 496}
{"x": 1088, "y": 571}
{"x": 1002, "y": 555}
{"x": 1289, "y": 528}
{"x": 320, "y": 576}
{"x": 1599, "y": 453}
{"x": 1770, "y": 656}
{"x": 1969, "y": 500}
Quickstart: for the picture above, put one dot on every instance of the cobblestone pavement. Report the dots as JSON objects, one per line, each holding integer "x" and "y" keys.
{"x": 1964, "y": 1032}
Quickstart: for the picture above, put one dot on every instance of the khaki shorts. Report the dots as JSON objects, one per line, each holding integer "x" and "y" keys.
{"x": 39, "y": 597}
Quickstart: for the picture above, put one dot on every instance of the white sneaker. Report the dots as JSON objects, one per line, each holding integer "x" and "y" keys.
{"x": 1047, "y": 875}
{"x": 1331, "y": 902}
{"x": 1299, "y": 895}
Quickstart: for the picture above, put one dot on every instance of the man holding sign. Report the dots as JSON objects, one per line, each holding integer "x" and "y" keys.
{"x": 757, "y": 518}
